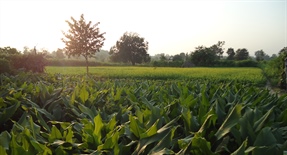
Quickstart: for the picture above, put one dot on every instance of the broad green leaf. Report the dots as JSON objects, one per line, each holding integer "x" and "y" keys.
{"x": 258, "y": 125}
{"x": 86, "y": 111}
{"x": 5, "y": 139}
{"x": 111, "y": 141}
{"x": 162, "y": 132}
{"x": 163, "y": 152}
{"x": 203, "y": 107}
{"x": 111, "y": 124}
{"x": 68, "y": 134}
{"x": 34, "y": 127}
{"x": 3, "y": 151}
{"x": 73, "y": 97}
{"x": 200, "y": 146}
{"x": 8, "y": 112}
{"x": 41, "y": 148}
{"x": 84, "y": 94}
{"x": 231, "y": 120}
{"x": 246, "y": 125}
{"x": 151, "y": 131}
{"x": 261, "y": 139}
{"x": 207, "y": 122}
{"x": 98, "y": 127}
{"x": 55, "y": 134}
{"x": 187, "y": 117}
{"x": 164, "y": 143}
{"x": 135, "y": 127}
{"x": 2, "y": 104}
{"x": 241, "y": 149}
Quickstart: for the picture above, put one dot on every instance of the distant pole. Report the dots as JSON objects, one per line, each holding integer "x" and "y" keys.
{"x": 286, "y": 71}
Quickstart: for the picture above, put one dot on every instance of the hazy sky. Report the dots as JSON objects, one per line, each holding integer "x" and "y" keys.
{"x": 170, "y": 26}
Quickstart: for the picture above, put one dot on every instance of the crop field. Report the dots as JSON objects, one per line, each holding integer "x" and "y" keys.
{"x": 78, "y": 114}
{"x": 247, "y": 75}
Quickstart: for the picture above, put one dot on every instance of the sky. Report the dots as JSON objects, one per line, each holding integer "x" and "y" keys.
{"x": 170, "y": 26}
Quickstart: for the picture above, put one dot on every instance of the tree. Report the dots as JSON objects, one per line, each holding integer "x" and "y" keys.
{"x": 260, "y": 54}
{"x": 60, "y": 53}
{"x": 217, "y": 48}
{"x": 8, "y": 51}
{"x": 241, "y": 54}
{"x": 203, "y": 56}
{"x": 230, "y": 53}
{"x": 83, "y": 39}
{"x": 130, "y": 48}
{"x": 177, "y": 57}
{"x": 273, "y": 56}
{"x": 162, "y": 57}
{"x": 283, "y": 50}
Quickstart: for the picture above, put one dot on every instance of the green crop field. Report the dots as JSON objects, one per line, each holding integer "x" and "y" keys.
{"x": 251, "y": 75}
{"x": 78, "y": 114}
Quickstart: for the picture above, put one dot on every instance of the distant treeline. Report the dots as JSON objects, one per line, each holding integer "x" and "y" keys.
{"x": 218, "y": 63}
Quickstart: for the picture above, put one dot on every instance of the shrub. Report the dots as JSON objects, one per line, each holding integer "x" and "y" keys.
{"x": 167, "y": 64}
{"x": 29, "y": 62}
{"x": 5, "y": 66}
{"x": 232, "y": 63}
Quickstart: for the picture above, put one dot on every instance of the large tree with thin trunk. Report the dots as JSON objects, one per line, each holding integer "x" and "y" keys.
{"x": 83, "y": 39}
{"x": 130, "y": 48}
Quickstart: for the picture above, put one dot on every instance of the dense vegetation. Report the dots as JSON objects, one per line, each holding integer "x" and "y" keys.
{"x": 243, "y": 75}
{"x": 71, "y": 114}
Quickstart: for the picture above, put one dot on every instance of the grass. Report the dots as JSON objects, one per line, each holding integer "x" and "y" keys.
{"x": 253, "y": 75}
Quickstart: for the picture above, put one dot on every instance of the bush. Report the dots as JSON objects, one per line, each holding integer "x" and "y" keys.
{"x": 5, "y": 66}
{"x": 167, "y": 64}
{"x": 232, "y": 63}
{"x": 246, "y": 63}
{"x": 29, "y": 62}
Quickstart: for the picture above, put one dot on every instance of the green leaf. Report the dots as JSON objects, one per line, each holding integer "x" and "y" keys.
{"x": 162, "y": 152}
{"x": 5, "y": 139}
{"x": 72, "y": 100}
{"x": 231, "y": 120}
{"x": 8, "y": 112}
{"x": 55, "y": 134}
{"x": 98, "y": 127}
{"x": 203, "y": 107}
{"x": 162, "y": 132}
{"x": 241, "y": 149}
{"x": 112, "y": 123}
{"x": 86, "y": 111}
{"x": 165, "y": 142}
{"x": 261, "y": 139}
{"x": 2, "y": 104}
{"x": 111, "y": 141}
{"x": 135, "y": 127}
{"x": 151, "y": 131}
{"x": 258, "y": 125}
{"x": 200, "y": 146}
{"x": 84, "y": 94}
{"x": 3, "y": 151}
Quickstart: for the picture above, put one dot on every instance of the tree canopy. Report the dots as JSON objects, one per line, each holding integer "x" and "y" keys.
{"x": 260, "y": 54}
{"x": 230, "y": 53}
{"x": 241, "y": 54}
{"x": 8, "y": 50}
{"x": 130, "y": 48}
{"x": 83, "y": 39}
{"x": 206, "y": 56}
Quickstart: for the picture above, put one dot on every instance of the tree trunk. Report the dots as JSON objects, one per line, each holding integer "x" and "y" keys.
{"x": 87, "y": 65}
{"x": 133, "y": 63}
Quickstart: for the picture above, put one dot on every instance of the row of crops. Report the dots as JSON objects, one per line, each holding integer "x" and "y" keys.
{"x": 56, "y": 114}
{"x": 245, "y": 75}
